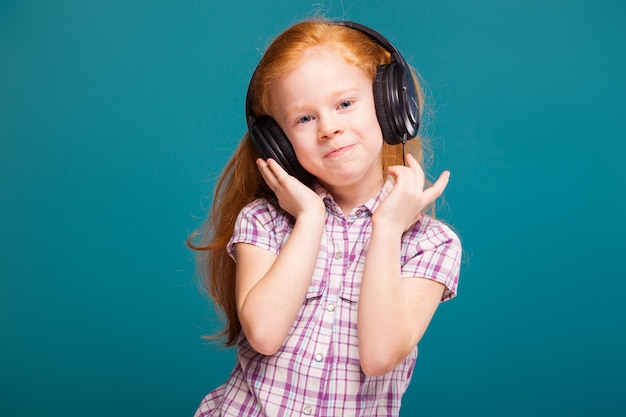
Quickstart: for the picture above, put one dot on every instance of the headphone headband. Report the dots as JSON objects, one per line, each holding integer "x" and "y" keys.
{"x": 376, "y": 37}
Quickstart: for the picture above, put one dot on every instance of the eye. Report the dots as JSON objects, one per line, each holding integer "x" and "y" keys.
{"x": 345, "y": 104}
{"x": 305, "y": 119}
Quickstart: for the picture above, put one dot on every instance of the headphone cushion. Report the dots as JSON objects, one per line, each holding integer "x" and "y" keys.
{"x": 395, "y": 99}
{"x": 381, "y": 104}
{"x": 271, "y": 142}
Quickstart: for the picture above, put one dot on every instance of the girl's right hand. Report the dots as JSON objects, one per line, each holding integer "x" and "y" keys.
{"x": 293, "y": 196}
{"x": 271, "y": 288}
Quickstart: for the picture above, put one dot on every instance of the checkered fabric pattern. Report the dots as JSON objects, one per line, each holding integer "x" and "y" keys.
{"x": 317, "y": 371}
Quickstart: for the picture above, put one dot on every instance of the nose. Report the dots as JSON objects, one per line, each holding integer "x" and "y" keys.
{"x": 329, "y": 126}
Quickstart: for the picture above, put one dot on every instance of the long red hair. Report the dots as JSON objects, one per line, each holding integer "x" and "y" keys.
{"x": 241, "y": 183}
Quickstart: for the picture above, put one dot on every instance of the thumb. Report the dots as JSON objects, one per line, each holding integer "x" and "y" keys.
{"x": 434, "y": 192}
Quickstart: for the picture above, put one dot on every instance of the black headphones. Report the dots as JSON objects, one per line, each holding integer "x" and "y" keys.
{"x": 395, "y": 100}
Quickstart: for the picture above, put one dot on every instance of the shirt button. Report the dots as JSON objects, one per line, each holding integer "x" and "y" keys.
{"x": 359, "y": 212}
{"x": 338, "y": 255}
{"x": 307, "y": 410}
{"x": 330, "y": 307}
{"x": 319, "y": 357}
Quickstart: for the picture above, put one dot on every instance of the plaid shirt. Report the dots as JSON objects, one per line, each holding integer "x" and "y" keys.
{"x": 316, "y": 372}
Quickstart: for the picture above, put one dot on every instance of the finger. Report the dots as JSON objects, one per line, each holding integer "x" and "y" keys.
{"x": 409, "y": 159}
{"x": 266, "y": 172}
{"x": 436, "y": 190}
{"x": 277, "y": 170}
{"x": 412, "y": 175}
{"x": 411, "y": 162}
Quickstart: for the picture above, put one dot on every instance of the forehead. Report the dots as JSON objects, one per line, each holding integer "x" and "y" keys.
{"x": 321, "y": 77}
{"x": 320, "y": 65}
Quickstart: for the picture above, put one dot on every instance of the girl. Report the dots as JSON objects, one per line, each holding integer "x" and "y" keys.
{"x": 320, "y": 257}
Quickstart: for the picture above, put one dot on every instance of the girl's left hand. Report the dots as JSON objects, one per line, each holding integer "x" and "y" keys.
{"x": 404, "y": 204}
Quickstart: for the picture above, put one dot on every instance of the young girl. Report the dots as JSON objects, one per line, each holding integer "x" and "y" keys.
{"x": 316, "y": 248}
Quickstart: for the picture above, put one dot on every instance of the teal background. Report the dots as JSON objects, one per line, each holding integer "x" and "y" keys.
{"x": 116, "y": 117}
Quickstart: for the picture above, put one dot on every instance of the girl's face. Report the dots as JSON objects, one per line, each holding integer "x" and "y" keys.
{"x": 326, "y": 108}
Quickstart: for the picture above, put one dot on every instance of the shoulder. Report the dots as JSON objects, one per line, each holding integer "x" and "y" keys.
{"x": 432, "y": 250}
{"x": 432, "y": 232}
{"x": 432, "y": 243}
{"x": 261, "y": 223}
{"x": 263, "y": 210}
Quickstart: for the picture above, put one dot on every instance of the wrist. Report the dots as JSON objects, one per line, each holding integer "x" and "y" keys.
{"x": 312, "y": 216}
{"x": 387, "y": 229}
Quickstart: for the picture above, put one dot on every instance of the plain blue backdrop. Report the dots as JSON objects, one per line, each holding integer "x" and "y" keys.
{"x": 117, "y": 116}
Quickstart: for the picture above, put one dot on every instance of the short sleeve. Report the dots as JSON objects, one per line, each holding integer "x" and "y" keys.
{"x": 261, "y": 224}
{"x": 433, "y": 251}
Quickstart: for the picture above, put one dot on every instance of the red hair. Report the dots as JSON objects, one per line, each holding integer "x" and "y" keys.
{"x": 241, "y": 183}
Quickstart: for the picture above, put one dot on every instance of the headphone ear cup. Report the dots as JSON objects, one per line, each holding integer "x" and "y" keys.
{"x": 271, "y": 142}
{"x": 395, "y": 99}
{"x": 380, "y": 104}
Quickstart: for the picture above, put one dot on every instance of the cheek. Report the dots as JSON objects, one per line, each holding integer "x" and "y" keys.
{"x": 374, "y": 133}
{"x": 377, "y": 148}
{"x": 368, "y": 120}
{"x": 302, "y": 148}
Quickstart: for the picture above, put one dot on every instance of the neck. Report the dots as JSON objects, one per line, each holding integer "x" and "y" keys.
{"x": 350, "y": 196}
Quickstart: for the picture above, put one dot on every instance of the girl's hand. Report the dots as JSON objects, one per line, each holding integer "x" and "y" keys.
{"x": 271, "y": 287}
{"x": 293, "y": 196}
{"x": 404, "y": 204}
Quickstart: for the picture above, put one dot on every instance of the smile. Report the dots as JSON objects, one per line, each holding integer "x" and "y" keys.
{"x": 335, "y": 153}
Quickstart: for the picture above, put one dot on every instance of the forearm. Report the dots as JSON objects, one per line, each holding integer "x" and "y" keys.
{"x": 384, "y": 323}
{"x": 270, "y": 306}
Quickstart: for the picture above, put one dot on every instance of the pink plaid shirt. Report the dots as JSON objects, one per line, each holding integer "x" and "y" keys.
{"x": 317, "y": 372}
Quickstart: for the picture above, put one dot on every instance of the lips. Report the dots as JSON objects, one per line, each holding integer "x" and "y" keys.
{"x": 337, "y": 152}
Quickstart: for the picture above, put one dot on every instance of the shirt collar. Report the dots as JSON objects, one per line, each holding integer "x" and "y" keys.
{"x": 367, "y": 208}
